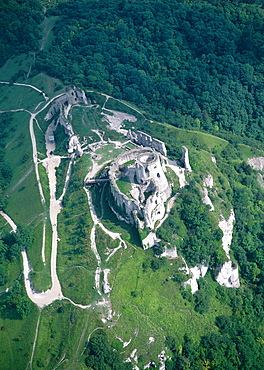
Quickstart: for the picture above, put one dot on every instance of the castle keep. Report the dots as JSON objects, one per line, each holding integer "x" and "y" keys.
{"x": 143, "y": 169}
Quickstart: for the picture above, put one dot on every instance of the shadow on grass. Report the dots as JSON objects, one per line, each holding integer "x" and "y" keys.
{"x": 128, "y": 231}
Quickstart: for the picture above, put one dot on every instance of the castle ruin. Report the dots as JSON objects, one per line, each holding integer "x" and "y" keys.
{"x": 62, "y": 106}
{"x": 147, "y": 188}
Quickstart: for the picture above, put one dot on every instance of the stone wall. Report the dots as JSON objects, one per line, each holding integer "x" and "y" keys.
{"x": 150, "y": 177}
{"x": 146, "y": 140}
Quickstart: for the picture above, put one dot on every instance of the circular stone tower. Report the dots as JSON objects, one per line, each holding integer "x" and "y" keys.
{"x": 149, "y": 168}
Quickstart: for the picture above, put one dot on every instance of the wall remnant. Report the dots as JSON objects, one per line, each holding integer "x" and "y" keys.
{"x": 146, "y": 140}
{"x": 62, "y": 107}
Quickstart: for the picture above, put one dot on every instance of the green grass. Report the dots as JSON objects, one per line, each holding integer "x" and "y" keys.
{"x": 84, "y": 120}
{"x": 77, "y": 283}
{"x": 114, "y": 104}
{"x": 61, "y": 172}
{"x": 49, "y": 85}
{"x": 14, "y": 270}
{"x": 18, "y": 148}
{"x": 34, "y": 252}
{"x": 74, "y": 252}
{"x": 64, "y": 329}
{"x": 17, "y": 97}
{"x": 124, "y": 186}
{"x": 104, "y": 243}
{"x": 4, "y": 226}
{"x": 245, "y": 151}
{"x": 16, "y": 340}
{"x": 40, "y": 137}
{"x": 158, "y": 308}
{"x": 44, "y": 183}
{"x": 47, "y": 33}
{"x": 24, "y": 204}
{"x": 40, "y": 275}
{"x": 41, "y": 279}
{"x": 108, "y": 152}
{"x": 61, "y": 140}
{"x": 17, "y": 65}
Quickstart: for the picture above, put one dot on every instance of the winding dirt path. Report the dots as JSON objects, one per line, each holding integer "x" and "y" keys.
{"x": 9, "y": 220}
{"x": 27, "y": 85}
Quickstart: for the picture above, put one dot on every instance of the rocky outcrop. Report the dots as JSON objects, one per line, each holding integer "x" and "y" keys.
{"x": 116, "y": 119}
{"x": 150, "y": 240}
{"x": 257, "y": 163}
{"x": 62, "y": 107}
{"x": 196, "y": 273}
{"x": 185, "y": 159}
{"x": 227, "y": 228}
{"x": 208, "y": 182}
{"x": 228, "y": 275}
{"x": 105, "y": 283}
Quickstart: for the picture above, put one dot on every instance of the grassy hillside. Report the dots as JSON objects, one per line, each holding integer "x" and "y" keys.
{"x": 147, "y": 309}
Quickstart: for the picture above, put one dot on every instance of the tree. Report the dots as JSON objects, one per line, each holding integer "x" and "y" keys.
{"x": 25, "y": 235}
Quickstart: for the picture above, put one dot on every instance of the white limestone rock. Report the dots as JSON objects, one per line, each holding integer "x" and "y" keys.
{"x": 179, "y": 171}
{"x": 74, "y": 144}
{"x": 105, "y": 283}
{"x": 196, "y": 273}
{"x": 228, "y": 275}
{"x": 185, "y": 159}
{"x": 227, "y": 228}
{"x": 206, "y": 199}
{"x": 213, "y": 160}
{"x": 150, "y": 240}
{"x": 257, "y": 163}
{"x": 208, "y": 181}
{"x": 151, "y": 340}
{"x": 170, "y": 253}
{"x": 116, "y": 120}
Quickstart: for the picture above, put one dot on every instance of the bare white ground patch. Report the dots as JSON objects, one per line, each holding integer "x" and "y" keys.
{"x": 179, "y": 171}
{"x": 257, "y": 163}
{"x": 106, "y": 285}
{"x": 170, "y": 253}
{"x": 208, "y": 181}
{"x": 116, "y": 120}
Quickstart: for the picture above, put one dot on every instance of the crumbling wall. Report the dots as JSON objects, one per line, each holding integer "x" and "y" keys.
{"x": 63, "y": 105}
{"x": 146, "y": 140}
{"x": 150, "y": 177}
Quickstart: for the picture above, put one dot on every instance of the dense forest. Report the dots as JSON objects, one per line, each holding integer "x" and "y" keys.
{"x": 194, "y": 64}
{"x": 19, "y": 27}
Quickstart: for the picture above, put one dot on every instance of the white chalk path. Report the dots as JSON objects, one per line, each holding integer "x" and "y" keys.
{"x": 22, "y": 179}
{"x": 27, "y": 85}
{"x": 114, "y": 236}
{"x": 9, "y": 220}
{"x": 51, "y": 162}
